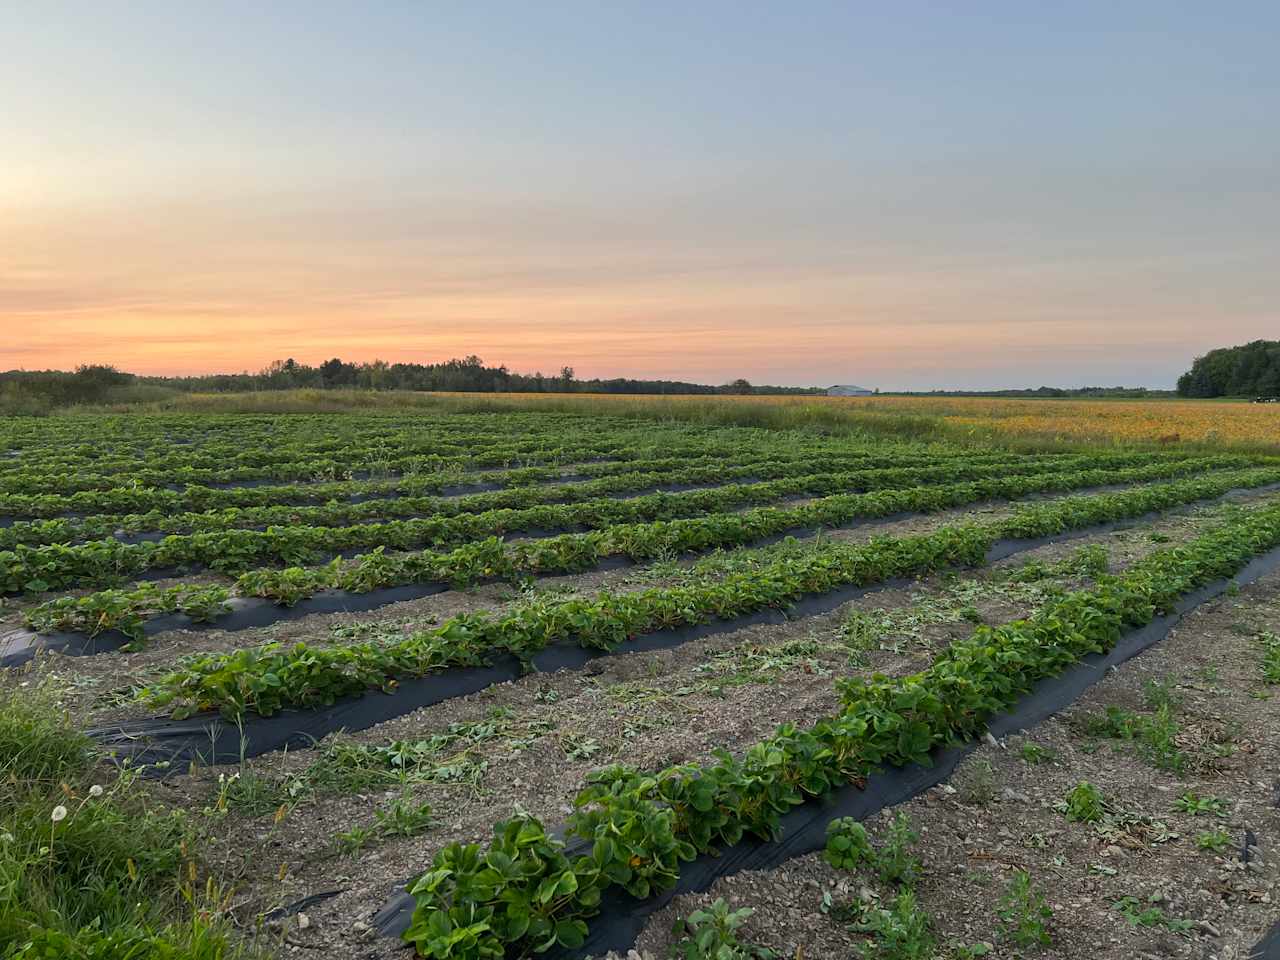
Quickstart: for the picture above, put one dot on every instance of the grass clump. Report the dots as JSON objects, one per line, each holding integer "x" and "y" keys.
{"x": 899, "y": 932}
{"x": 1270, "y": 658}
{"x": 976, "y": 782}
{"x": 1154, "y": 734}
{"x": 403, "y": 818}
{"x": 1034, "y": 754}
{"x": 88, "y": 867}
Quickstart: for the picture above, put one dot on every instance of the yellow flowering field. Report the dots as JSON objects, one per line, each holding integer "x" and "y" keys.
{"x": 1161, "y": 421}
{"x": 1166, "y": 422}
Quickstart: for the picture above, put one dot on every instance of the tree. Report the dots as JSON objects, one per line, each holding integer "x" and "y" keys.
{"x": 740, "y": 386}
{"x": 1252, "y": 369}
{"x": 335, "y": 373}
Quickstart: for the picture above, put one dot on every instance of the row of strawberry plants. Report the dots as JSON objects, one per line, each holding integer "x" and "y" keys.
{"x": 99, "y": 436}
{"x": 251, "y": 452}
{"x": 268, "y": 678}
{"x": 629, "y": 443}
{"x": 517, "y": 497}
{"x": 261, "y": 461}
{"x": 28, "y": 480}
{"x": 128, "y": 610}
{"x": 248, "y": 505}
{"x": 147, "y": 500}
{"x": 523, "y": 892}
{"x": 321, "y": 432}
{"x": 32, "y": 569}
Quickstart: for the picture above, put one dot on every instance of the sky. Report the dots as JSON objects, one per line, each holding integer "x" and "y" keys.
{"x": 902, "y": 196}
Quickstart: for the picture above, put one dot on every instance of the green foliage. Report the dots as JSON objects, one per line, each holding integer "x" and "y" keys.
{"x": 847, "y": 844}
{"x": 1023, "y": 913}
{"x": 1084, "y": 803}
{"x": 861, "y": 630}
{"x": 639, "y": 527}
{"x": 88, "y": 867}
{"x": 634, "y": 837}
{"x": 894, "y": 861}
{"x": 1149, "y": 915}
{"x": 712, "y": 934}
{"x": 199, "y": 939}
{"x": 1249, "y": 370}
{"x": 1217, "y": 840}
{"x": 449, "y": 756}
{"x": 1270, "y": 658}
{"x": 270, "y": 678}
{"x": 629, "y": 526}
{"x": 1197, "y": 805}
{"x": 1035, "y": 754}
{"x": 667, "y": 815}
{"x": 900, "y": 932}
{"x": 403, "y": 818}
{"x": 522, "y": 891}
{"x": 1155, "y": 734}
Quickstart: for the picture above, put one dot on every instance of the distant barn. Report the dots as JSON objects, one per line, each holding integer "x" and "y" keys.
{"x": 848, "y": 390}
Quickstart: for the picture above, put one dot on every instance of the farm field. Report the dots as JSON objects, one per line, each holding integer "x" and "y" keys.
{"x": 513, "y": 681}
{"x": 1025, "y": 423}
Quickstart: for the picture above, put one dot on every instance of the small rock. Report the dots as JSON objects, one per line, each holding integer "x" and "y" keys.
{"x": 360, "y": 927}
{"x": 303, "y": 921}
{"x": 1208, "y": 928}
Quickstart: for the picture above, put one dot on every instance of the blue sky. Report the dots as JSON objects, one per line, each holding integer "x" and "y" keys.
{"x": 907, "y": 195}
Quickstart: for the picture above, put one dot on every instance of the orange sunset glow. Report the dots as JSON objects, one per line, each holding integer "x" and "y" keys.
{"x": 468, "y": 188}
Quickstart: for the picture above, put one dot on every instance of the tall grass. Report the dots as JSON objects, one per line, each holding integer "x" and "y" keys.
{"x": 88, "y": 866}
{"x": 1031, "y": 425}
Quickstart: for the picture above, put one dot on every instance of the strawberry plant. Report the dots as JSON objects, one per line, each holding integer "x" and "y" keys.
{"x": 712, "y": 934}
{"x": 847, "y": 844}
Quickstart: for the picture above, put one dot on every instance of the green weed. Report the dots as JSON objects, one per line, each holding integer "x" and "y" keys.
{"x": 1023, "y": 913}
{"x": 1084, "y": 804}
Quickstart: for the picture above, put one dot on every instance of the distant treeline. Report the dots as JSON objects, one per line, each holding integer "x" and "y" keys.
{"x": 1133, "y": 393}
{"x": 468, "y": 374}
{"x": 36, "y": 391}
{"x": 1251, "y": 370}
{"x": 23, "y": 391}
